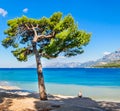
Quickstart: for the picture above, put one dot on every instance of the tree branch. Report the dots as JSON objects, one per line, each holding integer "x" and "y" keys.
{"x": 46, "y": 55}
{"x": 46, "y": 36}
{"x": 36, "y": 36}
{"x": 32, "y": 26}
{"x": 35, "y": 32}
{"x": 27, "y": 27}
{"x": 36, "y": 26}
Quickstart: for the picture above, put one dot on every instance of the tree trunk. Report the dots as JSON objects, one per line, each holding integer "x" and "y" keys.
{"x": 41, "y": 85}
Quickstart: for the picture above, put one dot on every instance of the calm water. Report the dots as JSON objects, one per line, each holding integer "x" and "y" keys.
{"x": 90, "y": 77}
{"x": 67, "y": 81}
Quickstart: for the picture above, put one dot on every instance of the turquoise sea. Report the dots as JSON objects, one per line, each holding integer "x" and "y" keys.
{"x": 99, "y": 84}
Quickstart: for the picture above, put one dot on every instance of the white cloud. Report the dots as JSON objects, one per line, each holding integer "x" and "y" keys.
{"x": 106, "y": 53}
{"x": 3, "y": 12}
{"x": 25, "y": 10}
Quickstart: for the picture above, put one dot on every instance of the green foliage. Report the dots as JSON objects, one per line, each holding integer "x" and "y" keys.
{"x": 67, "y": 39}
{"x": 9, "y": 42}
{"x": 20, "y": 54}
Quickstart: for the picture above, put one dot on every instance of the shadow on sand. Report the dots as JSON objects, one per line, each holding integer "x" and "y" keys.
{"x": 55, "y": 103}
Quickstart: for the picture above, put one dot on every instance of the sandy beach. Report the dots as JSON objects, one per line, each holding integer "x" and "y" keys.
{"x": 15, "y": 99}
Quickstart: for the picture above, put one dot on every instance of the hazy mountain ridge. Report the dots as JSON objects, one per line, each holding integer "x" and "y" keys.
{"x": 59, "y": 65}
{"x": 112, "y": 57}
{"x": 113, "y": 64}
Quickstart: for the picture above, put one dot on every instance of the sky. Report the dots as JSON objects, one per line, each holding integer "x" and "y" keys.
{"x": 99, "y": 17}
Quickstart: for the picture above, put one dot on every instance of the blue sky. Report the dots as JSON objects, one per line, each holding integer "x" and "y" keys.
{"x": 99, "y": 17}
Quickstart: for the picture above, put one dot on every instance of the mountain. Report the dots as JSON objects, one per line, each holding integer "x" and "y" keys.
{"x": 113, "y": 64}
{"x": 62, "y": 65}
{"x": 112, "y": 57}
{"x": 58, "y": 65}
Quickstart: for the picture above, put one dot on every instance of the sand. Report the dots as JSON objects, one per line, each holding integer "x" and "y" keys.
{"x": 13, "y": 99}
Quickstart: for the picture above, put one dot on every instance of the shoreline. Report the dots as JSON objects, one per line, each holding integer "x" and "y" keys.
{"x": 16, "y": 99}
{"x": 97, "y": 93}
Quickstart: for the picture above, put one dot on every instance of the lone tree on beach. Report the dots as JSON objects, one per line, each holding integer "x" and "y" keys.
{"x": 45, "y": 37}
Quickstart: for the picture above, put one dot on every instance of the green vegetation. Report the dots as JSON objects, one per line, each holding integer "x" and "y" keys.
{"x": 114, "y": 64}
{"x": 45, "y": 37}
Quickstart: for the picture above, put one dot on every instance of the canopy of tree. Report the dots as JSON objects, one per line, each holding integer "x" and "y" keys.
{"x": 53, "y": 35}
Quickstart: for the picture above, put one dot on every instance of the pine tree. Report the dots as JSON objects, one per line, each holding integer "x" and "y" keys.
{"x": 45, "y": 37}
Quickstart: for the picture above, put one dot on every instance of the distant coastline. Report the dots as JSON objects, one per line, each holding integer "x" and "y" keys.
{"x": 95, "y": 67}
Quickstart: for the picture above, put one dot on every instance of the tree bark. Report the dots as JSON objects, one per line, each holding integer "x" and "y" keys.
{"x": 41, "y": 85}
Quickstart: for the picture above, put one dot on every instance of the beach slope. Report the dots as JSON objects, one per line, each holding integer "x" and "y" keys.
{"x": 14, "y": 99}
